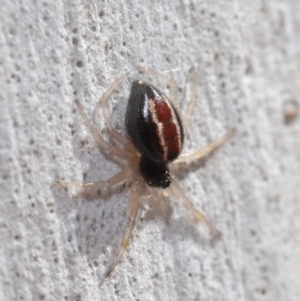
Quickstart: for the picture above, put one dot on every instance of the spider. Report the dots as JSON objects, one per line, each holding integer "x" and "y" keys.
{"x": 155, "y": 140}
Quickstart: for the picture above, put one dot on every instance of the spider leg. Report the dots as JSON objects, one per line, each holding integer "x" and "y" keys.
{"x": 199, "y": 216}
{"x": 112, "y": 153}
{"x": 102, "y": 188}
{"x": 158, "y": 201}
{"x": 171, "y": 82}
{"x": 207, "y": 150}
{"x": 133, "y": 214}
{"x": 192, "y": 103}
{"x": 104, "y": 104}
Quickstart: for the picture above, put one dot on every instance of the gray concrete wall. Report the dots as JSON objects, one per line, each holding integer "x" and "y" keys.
{"x": 55, "y": 246}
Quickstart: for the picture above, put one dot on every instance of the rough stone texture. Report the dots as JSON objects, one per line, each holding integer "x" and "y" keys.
{"x": 247, "y": 55}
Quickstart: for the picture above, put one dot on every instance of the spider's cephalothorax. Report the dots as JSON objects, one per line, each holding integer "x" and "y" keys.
{"x": 155, "y": 129}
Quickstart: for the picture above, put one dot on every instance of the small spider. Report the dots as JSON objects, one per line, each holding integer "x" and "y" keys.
{"x": 156, "y": 138}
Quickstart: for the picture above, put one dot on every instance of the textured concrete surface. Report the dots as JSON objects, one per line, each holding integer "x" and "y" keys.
{"x": 55, "y": 246}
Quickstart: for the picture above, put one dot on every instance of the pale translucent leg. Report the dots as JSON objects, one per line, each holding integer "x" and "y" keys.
{"x": 192, "y": 103}
{"x": 171, "y": 82}
{"x": 158, "y": 201}
{"x": 111, "y": 152}
{"x": 133, "y": 214}
{"x": 199, "y": 216}
{"x": 207, "y": 150}
{"x": 102, "y": 188}
{"x": 104, "y": 104}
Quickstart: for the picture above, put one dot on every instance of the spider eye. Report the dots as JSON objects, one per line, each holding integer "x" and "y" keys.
{"x": 155, "y": 174}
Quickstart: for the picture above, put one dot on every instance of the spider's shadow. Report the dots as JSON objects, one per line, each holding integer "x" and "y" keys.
{"x": 181, "y": 227}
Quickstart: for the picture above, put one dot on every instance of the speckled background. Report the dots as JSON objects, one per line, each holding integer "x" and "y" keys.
{"x": 247, "y": 57}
